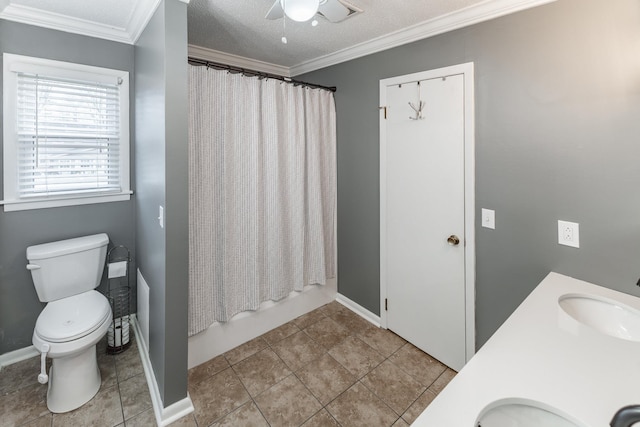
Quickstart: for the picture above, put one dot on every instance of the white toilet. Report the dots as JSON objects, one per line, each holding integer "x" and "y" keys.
{"x": 65, "y": 275}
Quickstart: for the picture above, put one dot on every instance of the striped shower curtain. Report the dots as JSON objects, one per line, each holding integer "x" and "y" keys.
{"x": 262, "y": 192}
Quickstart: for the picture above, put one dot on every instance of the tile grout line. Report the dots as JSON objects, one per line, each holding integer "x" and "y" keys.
{"x": 124, "y": 421}
{"x": 325, "y": 351}
{"x": 252, "y": 399}
{"x": 411, "y": 376}
{"x": 232, "y": 410}
{"x": 357, "y": 335}
{"x": 271, "y": 346}
{"x": 358, "y": 379}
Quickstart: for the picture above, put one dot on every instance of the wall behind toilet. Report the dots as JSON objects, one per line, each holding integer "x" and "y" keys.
{"x": 19, "y": 305}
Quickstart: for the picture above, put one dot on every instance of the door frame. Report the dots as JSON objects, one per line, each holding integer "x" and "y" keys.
{"x": 467, "y": 70}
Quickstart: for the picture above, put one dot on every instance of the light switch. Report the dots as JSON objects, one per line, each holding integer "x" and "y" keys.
{"x": 489, "y": 218}
{"x": 161, "y": 217}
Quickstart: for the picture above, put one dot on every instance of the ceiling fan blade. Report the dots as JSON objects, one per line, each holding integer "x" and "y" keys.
{"x": 276, "y": 11}
{"x": 333, "y": 10}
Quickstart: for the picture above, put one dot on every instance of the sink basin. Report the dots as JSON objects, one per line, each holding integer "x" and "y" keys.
{"x": 522, "y": 413}
{"x": 604, "y": 315}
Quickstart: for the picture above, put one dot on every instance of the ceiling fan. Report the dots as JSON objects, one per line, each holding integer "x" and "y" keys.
{"x": 303, "y": 10}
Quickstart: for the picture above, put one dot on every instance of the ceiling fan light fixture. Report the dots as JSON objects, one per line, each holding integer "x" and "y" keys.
{"x": 300, "y": 10}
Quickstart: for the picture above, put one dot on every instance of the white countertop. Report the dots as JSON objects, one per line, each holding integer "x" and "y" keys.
{"x": 541, "y": 353}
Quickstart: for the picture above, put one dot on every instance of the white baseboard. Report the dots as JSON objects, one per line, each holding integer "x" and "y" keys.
{"x": 358, "y": 309}
{"x": 18, "y": 356}
{"x": 164, "y": 416}
{"x": 222, "y": 337}
{"x": 142, "y": 315}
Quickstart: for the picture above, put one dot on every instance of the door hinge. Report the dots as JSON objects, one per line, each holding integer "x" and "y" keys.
{"x": 386, "y": 304}
{"x": 385, "y": 111}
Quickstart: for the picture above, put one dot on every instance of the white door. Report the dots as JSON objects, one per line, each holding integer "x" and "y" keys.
{"x": 424, "y": 239}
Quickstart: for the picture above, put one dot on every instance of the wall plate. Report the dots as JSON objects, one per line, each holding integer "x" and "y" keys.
{"x": 569, "y": 233}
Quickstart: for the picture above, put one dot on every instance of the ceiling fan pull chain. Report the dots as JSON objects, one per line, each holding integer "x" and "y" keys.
{"x": 284, "y": 24}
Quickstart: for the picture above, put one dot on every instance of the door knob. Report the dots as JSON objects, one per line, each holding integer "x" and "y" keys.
{"x": 453, "y": 240}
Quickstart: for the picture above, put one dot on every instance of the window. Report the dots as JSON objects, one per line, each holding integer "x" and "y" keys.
{"x": 66, "y": 134}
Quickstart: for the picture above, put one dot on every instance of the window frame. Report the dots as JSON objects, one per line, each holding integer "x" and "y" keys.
{"x": 12, "y": 65}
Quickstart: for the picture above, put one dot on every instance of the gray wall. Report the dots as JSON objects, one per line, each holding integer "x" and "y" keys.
{"x": 557, "y": 130}
{"x": 19, "y": 305}
{"x": 161, "y": 176}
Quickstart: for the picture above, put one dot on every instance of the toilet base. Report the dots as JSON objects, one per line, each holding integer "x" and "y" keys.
{"x": 73, "y": 381}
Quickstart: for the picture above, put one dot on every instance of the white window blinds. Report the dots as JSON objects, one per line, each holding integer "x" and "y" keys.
{"x": 68, "y": 136}
{"x": 65, "y": 134}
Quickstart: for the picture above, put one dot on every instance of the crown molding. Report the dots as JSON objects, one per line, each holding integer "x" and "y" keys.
{"x": 55, "y": 21}
{"x": 484, "y": 11}
{"x": 142, "y": 12}
{"x": 471, "y": 15}
{"x": 237, "y": 61}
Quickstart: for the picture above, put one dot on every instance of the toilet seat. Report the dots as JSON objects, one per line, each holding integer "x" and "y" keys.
{"x": 71, "y": 318}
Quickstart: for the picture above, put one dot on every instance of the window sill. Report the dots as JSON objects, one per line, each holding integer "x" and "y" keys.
{"x": 21, "y": 205}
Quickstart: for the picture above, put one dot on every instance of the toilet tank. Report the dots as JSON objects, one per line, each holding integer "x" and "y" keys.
{"x": 67, "y": 267}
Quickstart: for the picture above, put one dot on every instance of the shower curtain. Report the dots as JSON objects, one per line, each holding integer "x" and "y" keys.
{"x": 262, "y": 192}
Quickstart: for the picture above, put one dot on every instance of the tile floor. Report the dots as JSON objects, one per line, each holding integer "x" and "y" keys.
{"x": 124, "y": 395}
{"x": 329, "y": 367}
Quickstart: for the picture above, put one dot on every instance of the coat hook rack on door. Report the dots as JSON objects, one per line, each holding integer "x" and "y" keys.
{"x": 418, "y": 108}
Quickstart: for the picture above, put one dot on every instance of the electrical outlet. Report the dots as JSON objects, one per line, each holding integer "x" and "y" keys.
{"x": 569, "y": 233}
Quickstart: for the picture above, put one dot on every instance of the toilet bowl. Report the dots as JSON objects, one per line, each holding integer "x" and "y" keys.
{"x": 75, "y": 319}
{"x": 72, "y": 327}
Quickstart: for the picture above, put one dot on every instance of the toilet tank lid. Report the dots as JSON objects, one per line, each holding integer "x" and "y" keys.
{"x": 64, "y": 247}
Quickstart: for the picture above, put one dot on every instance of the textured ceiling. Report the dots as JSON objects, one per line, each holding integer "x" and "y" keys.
{"x": 239, "y": 27}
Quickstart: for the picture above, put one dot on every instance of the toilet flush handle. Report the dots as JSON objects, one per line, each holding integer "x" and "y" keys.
{"x": 32, "y": 266}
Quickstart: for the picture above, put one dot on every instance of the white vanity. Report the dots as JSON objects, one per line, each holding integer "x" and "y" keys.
{"x": 568, "y": 356}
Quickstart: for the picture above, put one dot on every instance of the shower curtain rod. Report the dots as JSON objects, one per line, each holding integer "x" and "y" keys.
{"x": 254, "y": 73}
